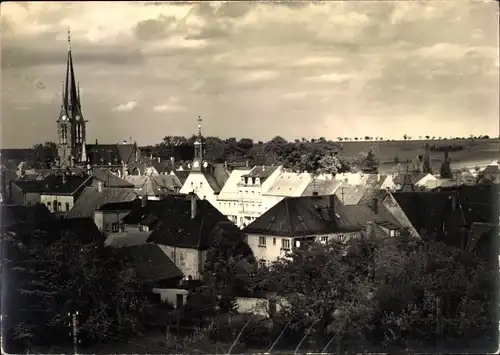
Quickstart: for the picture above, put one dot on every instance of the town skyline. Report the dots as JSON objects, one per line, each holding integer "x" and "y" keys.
{"x": 150, "y": 71}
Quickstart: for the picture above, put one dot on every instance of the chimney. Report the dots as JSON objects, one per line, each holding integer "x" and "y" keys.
{"x": 331, "y": 205}
{"x": 263, "y": 168}
{"x": 193, "y": 204}
{"x": 64, "y": 177}
{"x": 144, "y": 200}
{"x": 246, "y": 163}
{"x": 96, "y": 142}
{"x": 369, "y": 229}
{"x": 159, "y": 159}
{"x": 225, "y": 164}
{"x": 375, "y": 205}
{"x": 99, "y": 186}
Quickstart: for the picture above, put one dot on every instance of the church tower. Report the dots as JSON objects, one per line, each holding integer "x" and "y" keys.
{"x": 198, "y": 149}
{"x": 71, "y": 125}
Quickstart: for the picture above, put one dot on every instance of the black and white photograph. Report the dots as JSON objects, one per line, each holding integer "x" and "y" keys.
{"x": 245, "y": 177}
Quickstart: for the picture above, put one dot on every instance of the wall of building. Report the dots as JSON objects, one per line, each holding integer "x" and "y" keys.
{"x": 66, "y": 202}
{"x": 105, "y": 219}
{"x": 426, "y": 180}
{"x": 259, "y": 306}
{"x": 189, "y": 261}
{"x": 388, "y": 183}
{"x": 275, "y": 247}
{"x": 170, "y": 295}
{"x": 197, "y": 183}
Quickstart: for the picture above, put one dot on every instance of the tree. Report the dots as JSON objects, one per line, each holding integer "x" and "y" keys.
{"x": 405, "y": 137}
{"x": 427, "y": 137}
{"x": 369, "y": 161}
{"x": 445, "y": 171}
{"x": 56, "y": 273}
{"x": 228, "y": 266}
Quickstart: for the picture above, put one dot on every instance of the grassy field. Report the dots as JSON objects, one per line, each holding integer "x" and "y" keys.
{"x": 475, "y": 151}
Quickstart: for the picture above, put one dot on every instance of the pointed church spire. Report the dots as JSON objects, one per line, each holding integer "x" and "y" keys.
{"x": 70, "y": 90}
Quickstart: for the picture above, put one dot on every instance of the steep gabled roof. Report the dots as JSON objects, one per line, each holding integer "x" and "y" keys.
{"x": 289, "y": 184}
{"x": 230, "y": 189}
{"x": 261, "y": 171}
{"x": 91, "y": 199}
{"x": 308, "y": 215}
{"x": 425, "y": 210}
{"x": 322, "y": 187}
{"x": 182, "y": 175}
{"x": 56, "y": 185}
{"x": 151, "y": 263}
{"x": 109, "y": 179}
{"x": 350, "y": 194}
{"x": 84, "y": 229}
{"x": 176, "y": 228}
{"x": 154, "y": 185}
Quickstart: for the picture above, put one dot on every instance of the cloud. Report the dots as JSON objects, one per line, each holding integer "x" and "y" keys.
{"x": 248, "y": 65}
{"x": 129, "y": 106}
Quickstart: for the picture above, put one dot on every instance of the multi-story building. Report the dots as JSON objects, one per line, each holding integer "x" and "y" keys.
{"x": 250, "y": 190}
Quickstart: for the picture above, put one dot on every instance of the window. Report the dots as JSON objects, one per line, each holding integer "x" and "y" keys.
{"x": 262, "y": 241}
{"x": 172, "y": 255}
{"x": 49, "y": 205}
{"x": 340, "y": 237}
{"x": 114, "y": 227}
{"x": 274, "y": 241}
{"x": 181, "y": 260}
{"x": 324, "y": 239}
{"x": 192, "y": 184}
{"x": 262, "y": 263}
{"x": 59, "y": 206}
{"x": 201, "y": 184}
{"x": 67, "y": 206}
{"x": 285, "y": 244}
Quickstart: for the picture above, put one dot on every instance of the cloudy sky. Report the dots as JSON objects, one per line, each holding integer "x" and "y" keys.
{"x": 253, "y": 70}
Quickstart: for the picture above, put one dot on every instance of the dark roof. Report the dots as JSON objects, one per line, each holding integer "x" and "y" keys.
{"x": 425, "y": 210}
{"x": 31, "y": 217}
{"x": 125, "y": 239}
{"x": 91, "y": 199}
{"x": 182, "y": 175}
{"x": 46, "y": 172}
{"x": 114, "y": 154}
{"x": 17, "y": 155}
{"x": 119, "y": 206}
{"x": 29, "y": 185}
{"x": 55, "y": 184}
{"x": 261, "y": 171}
{"x": 491, "y": 169}
{"x": 151, "y": 263}
{"x": 109, "y": 179}
{"x": 176, "y": 228}
{"x": 309, "y": 215}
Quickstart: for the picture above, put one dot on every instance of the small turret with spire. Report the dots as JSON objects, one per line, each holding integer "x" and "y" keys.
{"x": 198, "y": 149}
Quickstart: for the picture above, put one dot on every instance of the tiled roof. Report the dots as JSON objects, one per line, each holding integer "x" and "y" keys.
{"x": 47, "y": 172}
{"x": 182, "y": 175}
{"x": 109, "y": 179}
{"x": 491, "y": 169}
{"x": 350, "y": 194}
{"x": 176, "y": 228}
{"x": 322, "y": 187}
{"x": 230, "y": 189}
{"x": 91, "y": 199}
{"x": 53, "y": 184}
{"x": 110, "y": 153}
{"x": 154, "y": 185}
{"x": 125, "y": 239}
{"x": 262, "y": 171}
{"x": 371, "y": 193}
{"x": 425, "y": 210}
{"x": 309, "y": 215}
{"x": 289, "y": 184}
{"x": 151, "y": 263}
{"x": 146, "y": 214}
{"x": 120, "y": 206}
{"x": 216, "y": 176}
